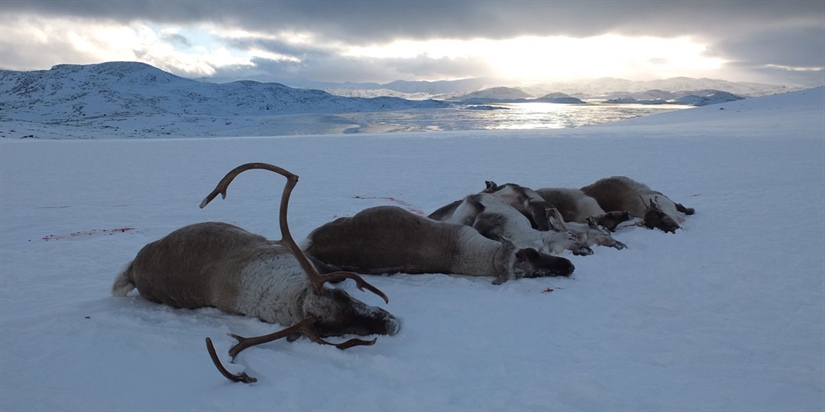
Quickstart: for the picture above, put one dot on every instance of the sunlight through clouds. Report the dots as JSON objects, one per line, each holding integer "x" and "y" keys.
{"x": 533, "y": 58}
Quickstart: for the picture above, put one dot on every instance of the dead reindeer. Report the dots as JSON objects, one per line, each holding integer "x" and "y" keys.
{"x": 219, "y": 265}
{"x": 621, "y": 193}
{"x": 389, "y": 239}
{"x": 575, "y": 206}
{"x": 525, "y": 200}
{"x": 495, "y": 218}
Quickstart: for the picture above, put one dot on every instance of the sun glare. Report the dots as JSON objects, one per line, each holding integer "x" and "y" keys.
{"x": 533, "y": 58}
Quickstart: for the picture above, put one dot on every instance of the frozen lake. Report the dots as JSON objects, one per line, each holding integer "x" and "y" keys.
{"x": 497, "y": 116}
{"x": 512, "y": 116}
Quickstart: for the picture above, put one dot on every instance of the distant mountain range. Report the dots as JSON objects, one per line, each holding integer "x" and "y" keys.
{"x": 75, "y": 92}
{"x": 603, "y": 88}
{"x": 131, "y": 99}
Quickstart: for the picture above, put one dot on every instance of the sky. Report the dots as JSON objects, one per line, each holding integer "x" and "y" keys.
{"x": 524, "y": 42}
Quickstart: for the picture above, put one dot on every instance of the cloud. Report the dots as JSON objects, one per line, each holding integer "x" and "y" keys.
{"x": 760, "y": 39}
{"x": 367, "y": 21}
{"x": 176, "y": 38}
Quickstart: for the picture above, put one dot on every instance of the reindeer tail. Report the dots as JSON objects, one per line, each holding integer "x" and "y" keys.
{"x": 123, "y": 282}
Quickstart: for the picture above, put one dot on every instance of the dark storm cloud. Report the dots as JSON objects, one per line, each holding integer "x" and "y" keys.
{"x": 277, "y": 46}
{"x": 784, "y": 46}
{"x": 750, "y": 33}
{"x": 375, "y": 21}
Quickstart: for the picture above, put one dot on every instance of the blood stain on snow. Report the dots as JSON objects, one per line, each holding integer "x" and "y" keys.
{"x": 87, "y": 233}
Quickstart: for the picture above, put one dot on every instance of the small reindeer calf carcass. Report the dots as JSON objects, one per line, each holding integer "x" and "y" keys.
{"x": 620, "y": 193}
{"x": 494, "y": 218}
{"x": 389, "y": 239}
{"x": 219, "y": 265}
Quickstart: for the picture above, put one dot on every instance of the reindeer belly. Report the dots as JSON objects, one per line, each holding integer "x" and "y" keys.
{"x": 384, "y": 240}
{"x": 195, "y": 266}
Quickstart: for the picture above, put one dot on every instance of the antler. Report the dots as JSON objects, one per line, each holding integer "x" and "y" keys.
{"x": 652, "y": 205}
{"x": 240, "y": 377}
{"x": 316, "y": 278}
{"x": 304, "y": 327}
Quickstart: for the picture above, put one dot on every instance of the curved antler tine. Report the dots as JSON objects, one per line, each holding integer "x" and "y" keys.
{"x": 360, "y": 283}
{"x": 299, "y": 328}
{"x": 292, "y": 180}
{"x": 224, "y": 183}
{"x": 353, "y": 342}
{"x": 304, "y": 327}
{"x": 240, "y": 377}
{"x": 647, "y": 207}
{"x": 309, "y": 332}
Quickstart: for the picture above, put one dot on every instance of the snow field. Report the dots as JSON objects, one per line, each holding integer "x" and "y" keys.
{"x": 728, "y": 313}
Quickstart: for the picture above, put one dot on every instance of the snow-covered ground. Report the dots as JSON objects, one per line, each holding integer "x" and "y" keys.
{"x": 727, "y": 314}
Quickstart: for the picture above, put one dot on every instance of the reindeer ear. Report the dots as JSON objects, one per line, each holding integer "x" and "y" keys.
{"x": 491, "y": 185}
{"x": 526, "y": 254}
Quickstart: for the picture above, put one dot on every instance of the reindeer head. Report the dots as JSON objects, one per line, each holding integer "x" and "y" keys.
{"x": 339, "y": 314}
{"x": 529, "y": 263}
{"x": 656, "y": 218}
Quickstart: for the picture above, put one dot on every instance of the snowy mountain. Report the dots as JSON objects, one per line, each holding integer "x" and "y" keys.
{"x": 492, "y": 95}
{"x": 692, "y": 98}
{"x": 559, "y": 98}
{"x": 72, "y": 93}
{"x": 714, "y": 97}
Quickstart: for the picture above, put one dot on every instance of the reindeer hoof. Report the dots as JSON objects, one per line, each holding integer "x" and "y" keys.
{"x": 583, "y": 251}
{"x": 619, "y": 245}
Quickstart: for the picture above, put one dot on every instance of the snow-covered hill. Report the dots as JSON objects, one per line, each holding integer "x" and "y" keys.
{"x": 493, "y": 94}
{"x": 692, "y": 98}
{"x": 77, "y": 93}
{"x": 726, "y": 314}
